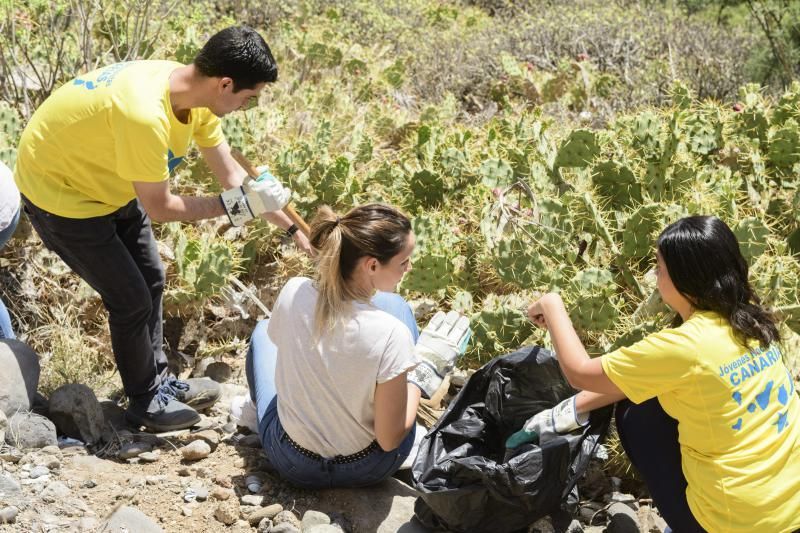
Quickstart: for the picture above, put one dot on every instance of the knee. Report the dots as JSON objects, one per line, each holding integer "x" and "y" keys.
{"x": 129, "y": 310}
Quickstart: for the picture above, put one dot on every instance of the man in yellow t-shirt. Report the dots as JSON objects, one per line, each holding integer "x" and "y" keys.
{"x": 93, "y": 166}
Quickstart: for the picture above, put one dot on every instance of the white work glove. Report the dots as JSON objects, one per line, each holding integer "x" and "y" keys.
{"x": 543, "y": 426}
{"x": 443, "y": 340}
{"x": 262, "y": 195}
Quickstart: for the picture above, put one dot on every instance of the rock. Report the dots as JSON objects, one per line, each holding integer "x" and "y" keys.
{"x": 387, "y": 507}
{"x": 133, "y": 449}
{"x": 51, "y": 450}
{"x": 574, "y": 527}
{"x": 150, "y": 457}
{"x": 184, "y": 471}
{"x": 203, "y": 472}
{"x": 284, "y": 527}
{"x": 38, "y": 471}
{"x": 210, "y": 436}
{"x": 324, "y": 528}
{"x": 286, "y": 517}
{"x": 187, "y": 511}
{"x": 3, "y": 426}
{"x": 314, "y": 518}
{"x": 221, "y": 494}
{"x": 28, "y": 430}
{"x": 91, "y": 464}
{"x": 19, "y": 378}
{"x": 11, "y": 455}
{"x": 77, "y": 414}
{"x": 8, "y": 515}
{"x": 219, "y": 371}
{"x": 223, "y": 481}
{"x": 252, "y": 499}
{"x": 128, "y": 519}
{"x": 543, "y": 525}
{"x": 268, "y": 512}
{"x": 650, "y": 520}
{"x": 195, "y": 451}
{"x": 155, "y": 480}
{"x": 619, "y": 497}
{"x": 227, "y": 512}
{"x": 8, "y": 486}
{"x": 201, "y": 493}
{"x": 87, "y": 524}
{"x": 55, "y": 492}
{"x": 265, "y": 526}
{"x": 253, "y": 483}
{"x": 622, "y": 519}
{"x": 229, "y": 428}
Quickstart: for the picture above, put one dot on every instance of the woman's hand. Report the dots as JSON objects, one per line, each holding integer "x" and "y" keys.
{"x": 302, "y": 243}
{"x": 538, "y": 310}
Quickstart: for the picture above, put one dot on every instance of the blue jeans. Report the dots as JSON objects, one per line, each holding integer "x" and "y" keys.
{"x": 292, "y": 465}
{"x": 649, "y": 437}
{"x": 6, "y": 331}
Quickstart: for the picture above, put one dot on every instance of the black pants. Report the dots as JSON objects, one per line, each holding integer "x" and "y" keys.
{"x": 117, "y": 256}
{"x": 650, "y": 439}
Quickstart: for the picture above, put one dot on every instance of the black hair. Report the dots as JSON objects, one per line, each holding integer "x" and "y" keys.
{"x": 706, "y": 266}
{"x": 239, "y": 53}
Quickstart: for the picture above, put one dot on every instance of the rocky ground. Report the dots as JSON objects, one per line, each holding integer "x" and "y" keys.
{"x": 215, "y": 477}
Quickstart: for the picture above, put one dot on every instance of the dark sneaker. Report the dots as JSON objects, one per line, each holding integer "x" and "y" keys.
{"x": 161, "y": 413}
{"x": 199, "y": 393}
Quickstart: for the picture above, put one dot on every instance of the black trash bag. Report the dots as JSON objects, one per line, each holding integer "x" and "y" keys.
{"x": 461, "y": 472}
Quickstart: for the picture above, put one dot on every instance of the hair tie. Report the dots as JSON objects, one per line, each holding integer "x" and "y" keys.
{"x": 337, "y": 222}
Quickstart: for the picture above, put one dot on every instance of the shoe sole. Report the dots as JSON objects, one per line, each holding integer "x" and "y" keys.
{"x": 200, "y": 403}
{"x": 157, "y": 428}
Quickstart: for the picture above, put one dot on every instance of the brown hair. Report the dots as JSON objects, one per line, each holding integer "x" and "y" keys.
{"x": 372, "y": 230}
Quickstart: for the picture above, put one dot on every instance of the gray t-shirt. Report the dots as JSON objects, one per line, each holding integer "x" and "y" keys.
{"x": 326, "y": 392}
{"x": 9, "y": 196}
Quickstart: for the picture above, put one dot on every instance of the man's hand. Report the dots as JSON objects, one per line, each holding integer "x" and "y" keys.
{"x": 443, "y": 340}
{"x": 543, "y": 426}
{"x": 262, "y": 195}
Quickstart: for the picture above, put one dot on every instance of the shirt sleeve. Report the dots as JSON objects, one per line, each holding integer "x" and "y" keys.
{"x": 208, "y": 131}
{"x": 141, "y": 146}
{"x": 652, "y": 366}
{"x": 398, "y": 354}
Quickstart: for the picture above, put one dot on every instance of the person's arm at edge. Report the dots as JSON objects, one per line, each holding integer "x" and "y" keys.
{"x": 396, "y": 403}
{"x": 581, "y": 371}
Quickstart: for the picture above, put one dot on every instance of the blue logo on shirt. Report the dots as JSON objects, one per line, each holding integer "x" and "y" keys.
{"x": 106, "y": 77}
{"x": 172, "y": 160}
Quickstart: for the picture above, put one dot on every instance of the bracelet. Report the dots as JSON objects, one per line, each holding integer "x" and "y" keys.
{"x": 291, "y": 230}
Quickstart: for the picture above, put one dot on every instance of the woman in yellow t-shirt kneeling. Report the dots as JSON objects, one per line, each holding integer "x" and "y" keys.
{"x": 712, "y": 417}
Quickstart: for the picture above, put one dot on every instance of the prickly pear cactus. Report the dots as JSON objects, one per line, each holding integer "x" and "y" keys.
{"x": 752, "y": 234}
{"x": 500, "y": 326}
{"x": 204, "y": 266}
{"x": 427, "y": 189}
{"x": 234, "y": 131}
{"x": 434, "y": 265}
{"x": 753, "y": 120}
{"x": 617, "y": 183}
{"x": 646, "y": 131}
{"x": 784, "y": 146}
{"x": 577, "y": 150}
{"x": 462, "y": 302}
{"x": 641, "y": 225}
{"x": 496, "y": 173}
{"x": 593, "y": 300}
{"x": 704, "y": 132}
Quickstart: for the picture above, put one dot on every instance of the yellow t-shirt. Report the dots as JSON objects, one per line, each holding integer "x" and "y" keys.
{"x": 738, "y": 421}
{"x": 95, "y": 135}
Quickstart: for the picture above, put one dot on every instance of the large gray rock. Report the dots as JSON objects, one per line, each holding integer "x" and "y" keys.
{"x": 128, "y": 519}
{"x": 3, "y": 426}
{"x": 384, "y": 508}
{"x": 20, "y": 376}
{"x": 77, "y": 413}
{"x": 29, "y": 430}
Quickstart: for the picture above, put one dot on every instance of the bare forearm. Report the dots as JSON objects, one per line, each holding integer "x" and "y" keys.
{"x": 279, "y": 218}
{"x": 587, "y": 401}
{"x": 568, "y": 346}
{"x": 188, "y": 208}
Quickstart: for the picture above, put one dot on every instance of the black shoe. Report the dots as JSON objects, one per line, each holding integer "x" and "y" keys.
{"x": 199, "y": 393}
{"x": 161, "y": 413}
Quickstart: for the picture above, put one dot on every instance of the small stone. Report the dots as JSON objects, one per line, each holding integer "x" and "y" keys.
{"x": 154, "y": 480}
{"x": 137, "y": 482}
{"x": 622, "y": 519}
{"x": 220, "y": 493}
{"x": 150, "y": 457}
{"x": 29, "y": 430}
{"x": 39, "y": 471}
{"x": 54, "y": 492}
{"x": 186, "y": 510}
{"x": 229, "y": 428}
{"x": 269, "y": 512}
{"x": 265, "y": 526}
{"x": 324, "y": 528}
{"x": 219, "y": 371}
{"x": 575, "y": 527}
{"x": 53, "y": 464}
{"x": 203, "y": 472}
{"x": 195, "y": 451}
{"x": 314, "y": 518}
{"x": 619, "y": 497}
{"x": 227, "y": 512}
{"x": 131, "y": 519}
{"x": 133, "y": 449}
{"x": 252, "y": 499}
{"x": 89, "y": 484}
{"x": 543, "y": 525}
{"x": 189, "y": 495}
{"x": 287, "y": 517}
{"x": 284, "y": 527}
{"x": 223, "y": 481}
{"x": 8, "y": 515}
{"x": 210, "y": 436}
{"x": 184, "y": 471}
{"x": 253, "y": 483}
{"x": 51, "y": 450}
{"x": 201, "y": 493}
{"x": 11, "y": 455}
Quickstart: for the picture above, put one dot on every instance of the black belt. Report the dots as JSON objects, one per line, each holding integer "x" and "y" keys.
{"x": 339, "y": 459}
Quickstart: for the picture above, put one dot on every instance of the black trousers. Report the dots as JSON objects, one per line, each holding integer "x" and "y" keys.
{"x": 117, "y": 255}
{"x": 650, "y": 439}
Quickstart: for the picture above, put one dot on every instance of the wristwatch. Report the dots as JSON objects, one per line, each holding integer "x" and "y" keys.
{"x": 291, "y": 230}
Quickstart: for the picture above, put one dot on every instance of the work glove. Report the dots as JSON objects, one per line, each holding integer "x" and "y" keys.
{"x": 543, "y": 426}
{"x": 256, "y": 196}
{"x": 443, "y": 340}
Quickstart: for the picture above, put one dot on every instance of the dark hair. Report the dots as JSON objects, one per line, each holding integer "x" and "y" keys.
{"x": 373, "y": 230}
{"x": 704, "y": 262}
{"x": 239, "y": 53}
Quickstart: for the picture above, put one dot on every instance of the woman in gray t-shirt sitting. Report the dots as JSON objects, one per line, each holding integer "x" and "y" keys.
{"x": 333, "y": 373}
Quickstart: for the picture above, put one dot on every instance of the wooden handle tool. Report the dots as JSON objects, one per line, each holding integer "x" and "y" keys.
{"x": 288, "y": 209}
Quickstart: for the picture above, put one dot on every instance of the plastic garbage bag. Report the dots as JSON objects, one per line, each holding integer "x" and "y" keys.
{"x": 461, "y": 472}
